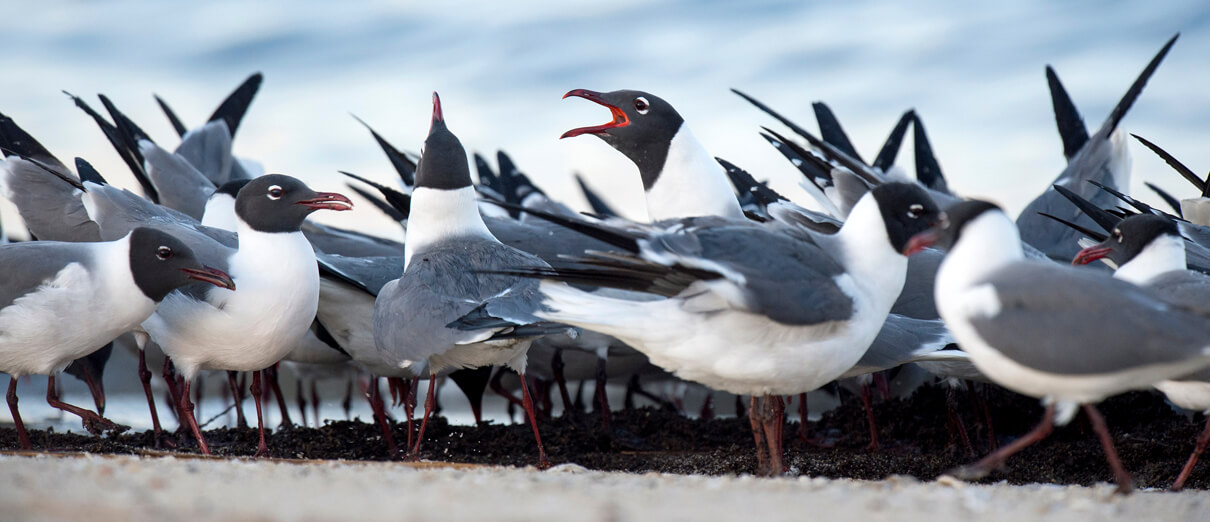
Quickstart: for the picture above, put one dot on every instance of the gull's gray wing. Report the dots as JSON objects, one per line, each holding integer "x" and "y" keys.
{"x": 1183, "y": 287}
{"x": 118, "y": 211}
{"x": 180, "y": 186}
{"x": 50, "y": 207}
{"x": 208, "y": 149}
{"x": 367, "y": 273}
{"x": 26, "y": 266}
{"x": 1064, "y": 320}
{"x": 543, "y": 238}
{"x": 1103, "y": 159}
{"x": 442, "y": 285}
{"x": 334, "y": 240}
{"x": 901, "y": 340}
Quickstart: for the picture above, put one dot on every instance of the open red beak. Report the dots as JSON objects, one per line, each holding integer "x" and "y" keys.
{"x": 213, "y": 276}
{"x": 1091, "y": 254}
{"x": 437, "y": 115}
{"x": 921, "y": 241}
{"x": 328, "y": 201}
{"x": 619, "y": 118}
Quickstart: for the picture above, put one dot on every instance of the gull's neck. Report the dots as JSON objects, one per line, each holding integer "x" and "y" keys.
{"x": 690, "y": 184}
{"x": 220, "y": 213}
{"x": 1163, "y": 254}
{"x": 988, "y": 243}
{"x": 437, "y": 215}
{"x": 866, "y": 251}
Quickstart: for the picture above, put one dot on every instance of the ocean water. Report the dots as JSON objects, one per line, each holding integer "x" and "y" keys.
{"x": 974, "y": 73}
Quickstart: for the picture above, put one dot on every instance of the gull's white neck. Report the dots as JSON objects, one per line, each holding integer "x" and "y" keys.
{"x": 988, "y": 243}
{"x": 1163, "y": 254}
{"x": 867, "y": 252}
{"x": 220, "y": 213}
{"x": 437, "y": 215}
{"x": 691, "y": 184}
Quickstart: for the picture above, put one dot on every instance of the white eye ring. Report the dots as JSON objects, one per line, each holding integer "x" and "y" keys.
{"x": 915, "y": 210}
{"x": 642, "y": 105}
{"x": 164, "y": 253}
{"x": 274, "y": 192}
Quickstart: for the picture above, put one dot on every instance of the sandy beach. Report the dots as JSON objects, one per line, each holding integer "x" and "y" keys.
{"x": 57, "y": 487}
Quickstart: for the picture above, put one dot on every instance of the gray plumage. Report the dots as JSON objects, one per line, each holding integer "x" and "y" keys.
{"x": 901, "y": 340}
{"x": 50, "y": 207}
{"x": 208, "y": 149}
{"x": 1047, "y": 312}
{"x": 1095, "y": 161}
{"x": 442, "y": 284}
{"x": 34, "y": 263}
{"x": 177, "y": 179}
{"x": 368, "y": 273}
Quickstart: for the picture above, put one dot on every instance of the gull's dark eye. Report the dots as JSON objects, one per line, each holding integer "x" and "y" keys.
{"x": 1117, "y": 234}
{"x": 275, "y": 192}
{"x": 164, "y": 253}
{"x": 641, "y": 105}
{"x": 915, "y": 211}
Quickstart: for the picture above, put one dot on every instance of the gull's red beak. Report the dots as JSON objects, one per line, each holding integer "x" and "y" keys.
{"x": 619, "y": 118}
{"x": 437, "y": 116}
{"x": 1091, "y": 254}
{"x": 213, "y": 276}
{"x": 921, "y": 241}
{"x": 329, "y": 200}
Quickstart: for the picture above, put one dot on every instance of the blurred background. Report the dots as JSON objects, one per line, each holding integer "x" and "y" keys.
{"x": 974, "y": 74}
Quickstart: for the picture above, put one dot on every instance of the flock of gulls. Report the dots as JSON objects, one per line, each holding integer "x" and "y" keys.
{"x": 729, "y": 285}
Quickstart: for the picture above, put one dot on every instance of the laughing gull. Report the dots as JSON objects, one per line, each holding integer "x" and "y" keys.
{"x": 119, "y": 282}
{"x": 1149, "y": 251}
{"x": 448, "y": 250}
{"x": 1104, "y": 157}
{"x": 1070, "y": 337}
{"x": 756, "y": 309}
{"x": 650, "y": 132}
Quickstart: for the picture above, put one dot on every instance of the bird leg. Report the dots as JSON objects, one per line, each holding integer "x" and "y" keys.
{"x": 270, "y": 373}
{"x": 556, "y": 367}
{"x": 602, "y": 397}
{"x": 347, "y": 404}
{"x": 12, "y": 407}
{"x": 866, "y": 401}
{"x": 302, "y": 402}
{"x": 1111, "y": 454}
{"x": 707, "y": 411}
{"x": 995, "y": 459}
{"x": 955, "y": 422}
{"x": 393, "y": 388}
{"x": 409, "y": 405}
{"x": 758, "y": 434}
{"x": 237, "y": 394}
{"x": 186, "y": 409}
{"x": 145, "y": 377}
{"x": 1202, "y": 441}
{"x": 498, "y": 387}
{"x": 95, "y": 424}
{"x": 978, "y": 399}
{"x": 262, "y": 449}
{"x": 315, "y": 401}
{"x": 98, "y": 391}
{"x": 543, "y": 462}
{"x": 739, "y": 406}
{"x": 774, "y": 421}
{"x": 174, "y": 391}
{"x": 429, "y": 403}
{"x": 377, "y": 405}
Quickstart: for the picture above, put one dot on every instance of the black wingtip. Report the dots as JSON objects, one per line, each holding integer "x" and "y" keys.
{"x": 1098, "y": 236}
{"x": 613, "y": 237}
{"x": 1138, "y": 205}
{"x": 894, "y": 142}
{"x": 16, "y": 142}
{"x": 598, "y": 204}
{"x": 1136, "y": 88}
{"x": 745, "y": 183}
{"x": 1171, "y": 201}
{"x": 235, "y": 106}
{"x": 404, "y": 167}
{"x": 377, "y": 202}
{"x": 89, "y": 173}
{"x": 128, "y": 137}
{"x": 171, "y": 115}
{"x": 1067, "y": 117}
{"x": 928, "y": 170}
{"x": 402, "y": 203}
{"x": 1102, "y": 218}
{"x": 1176, "y": 165}
{"x": 832, "y": 132}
